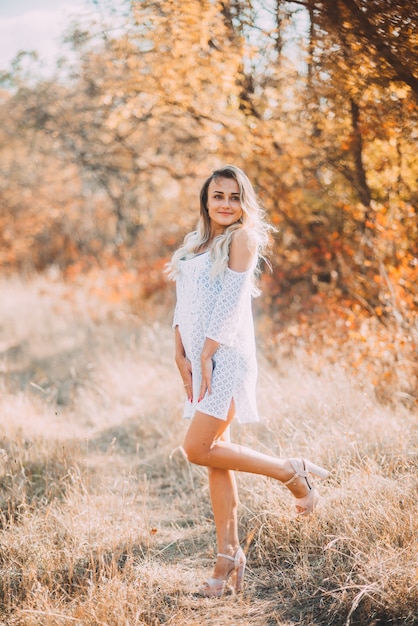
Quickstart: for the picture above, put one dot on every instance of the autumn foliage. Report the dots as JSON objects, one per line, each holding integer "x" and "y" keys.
{"x": 100, "y": 165}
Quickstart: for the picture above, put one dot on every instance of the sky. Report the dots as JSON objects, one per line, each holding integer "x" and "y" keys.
{"x": 35, "y": 25}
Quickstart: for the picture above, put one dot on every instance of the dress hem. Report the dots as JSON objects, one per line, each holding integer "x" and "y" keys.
{"x": 255, "y": 420}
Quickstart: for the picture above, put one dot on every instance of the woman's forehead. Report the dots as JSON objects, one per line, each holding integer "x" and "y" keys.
{"x": 229, "y": 185}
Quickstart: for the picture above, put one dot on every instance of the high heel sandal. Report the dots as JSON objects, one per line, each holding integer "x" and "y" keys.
{"x": 302, "y": 470}
{"x": 216, "y": 587}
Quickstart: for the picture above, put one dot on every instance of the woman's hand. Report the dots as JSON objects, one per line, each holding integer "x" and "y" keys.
{"x": 206, "y": 364}
{"x": 183, "y": 364}
{"x": 185, "y": 369}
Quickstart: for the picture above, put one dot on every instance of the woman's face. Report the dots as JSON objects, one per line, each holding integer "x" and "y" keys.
{"x": 224, "y": 205}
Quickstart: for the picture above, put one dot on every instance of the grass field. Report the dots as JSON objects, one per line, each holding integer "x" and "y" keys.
{"x": 103, "y": 521}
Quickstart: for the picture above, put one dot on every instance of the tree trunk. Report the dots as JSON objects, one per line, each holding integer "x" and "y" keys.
{"x": 362, "y": 186}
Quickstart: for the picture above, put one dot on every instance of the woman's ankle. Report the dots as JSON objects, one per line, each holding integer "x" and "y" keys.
{"x": 298, "y": 487}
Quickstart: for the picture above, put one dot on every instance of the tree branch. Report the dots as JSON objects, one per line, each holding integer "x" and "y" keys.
{"x": 367, "y": 29}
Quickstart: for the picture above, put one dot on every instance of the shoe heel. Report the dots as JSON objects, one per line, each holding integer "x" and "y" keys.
{"x": 240, "y": 571}
{"x": 239, "y": 583}
{"x": 316, "y": 470}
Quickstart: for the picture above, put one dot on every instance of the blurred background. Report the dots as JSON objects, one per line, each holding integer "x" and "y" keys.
{"x": 113, "y": 114}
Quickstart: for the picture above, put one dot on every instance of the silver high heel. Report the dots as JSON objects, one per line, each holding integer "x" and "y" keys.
{"x": 216, "y": 587}
{"x": 302, "y": 469}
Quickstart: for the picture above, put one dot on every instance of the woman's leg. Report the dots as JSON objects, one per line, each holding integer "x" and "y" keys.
{"x": 224, "y": 497}
{"x": 203, "y": 447}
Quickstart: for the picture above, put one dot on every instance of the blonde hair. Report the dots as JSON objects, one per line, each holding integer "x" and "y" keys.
{"x": 252, "y": 219}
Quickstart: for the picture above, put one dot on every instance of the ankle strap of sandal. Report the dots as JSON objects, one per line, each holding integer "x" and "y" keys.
{"x": 226, "y": 556}
{"x": 301, "y": 474}
{"x": 297, "y": 475}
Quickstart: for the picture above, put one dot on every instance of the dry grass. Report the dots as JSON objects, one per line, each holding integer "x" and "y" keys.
{"x": 103, "y": 522}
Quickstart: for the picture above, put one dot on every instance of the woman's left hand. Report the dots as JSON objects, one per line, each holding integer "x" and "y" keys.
{"x": 207, "y": 369}
{"x": 206, "y": 363}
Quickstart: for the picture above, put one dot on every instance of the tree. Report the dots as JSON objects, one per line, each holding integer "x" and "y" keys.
{"x": 150, "y": 108}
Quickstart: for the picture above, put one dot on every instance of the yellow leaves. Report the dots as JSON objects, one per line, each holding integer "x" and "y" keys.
{"x": 193, "y": 62}
{"x": 399, "y": 90}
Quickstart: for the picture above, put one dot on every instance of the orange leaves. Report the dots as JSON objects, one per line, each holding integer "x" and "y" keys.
{"x": 114, "y": 283}
{"x": 382, "y": 355}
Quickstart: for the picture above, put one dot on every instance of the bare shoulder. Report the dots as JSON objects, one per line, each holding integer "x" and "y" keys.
{"x": 242, "y": 250}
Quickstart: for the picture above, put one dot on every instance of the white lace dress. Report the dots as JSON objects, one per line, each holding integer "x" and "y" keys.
{"x": 218, "y": 308}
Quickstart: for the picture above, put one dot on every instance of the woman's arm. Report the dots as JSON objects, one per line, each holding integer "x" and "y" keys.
{"x": 206, "y": 364}
{"x": 233, "y": 297}
{"x": 241, "y": 257}
{"x": 183, "y": 364}
{"x": 242, "y": 251}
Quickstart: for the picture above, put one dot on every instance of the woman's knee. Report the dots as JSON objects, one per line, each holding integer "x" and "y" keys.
{"x": 195, "y": 451}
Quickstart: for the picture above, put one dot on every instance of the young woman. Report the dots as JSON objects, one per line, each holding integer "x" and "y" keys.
{"x": 215, "y": 353}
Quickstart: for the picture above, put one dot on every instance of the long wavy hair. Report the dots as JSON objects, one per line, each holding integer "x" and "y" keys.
{"x": 253, "y": 220}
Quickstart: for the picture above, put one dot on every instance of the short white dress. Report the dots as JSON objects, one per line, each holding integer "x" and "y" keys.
{"x": 218, "y": 308}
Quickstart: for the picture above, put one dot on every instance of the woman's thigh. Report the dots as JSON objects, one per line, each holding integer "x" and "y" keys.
{"x": 203, "y": 431}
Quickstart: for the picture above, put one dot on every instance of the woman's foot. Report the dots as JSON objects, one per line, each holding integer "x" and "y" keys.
{"x": 227, "y": 569}
{"x": 305, "y": 494}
